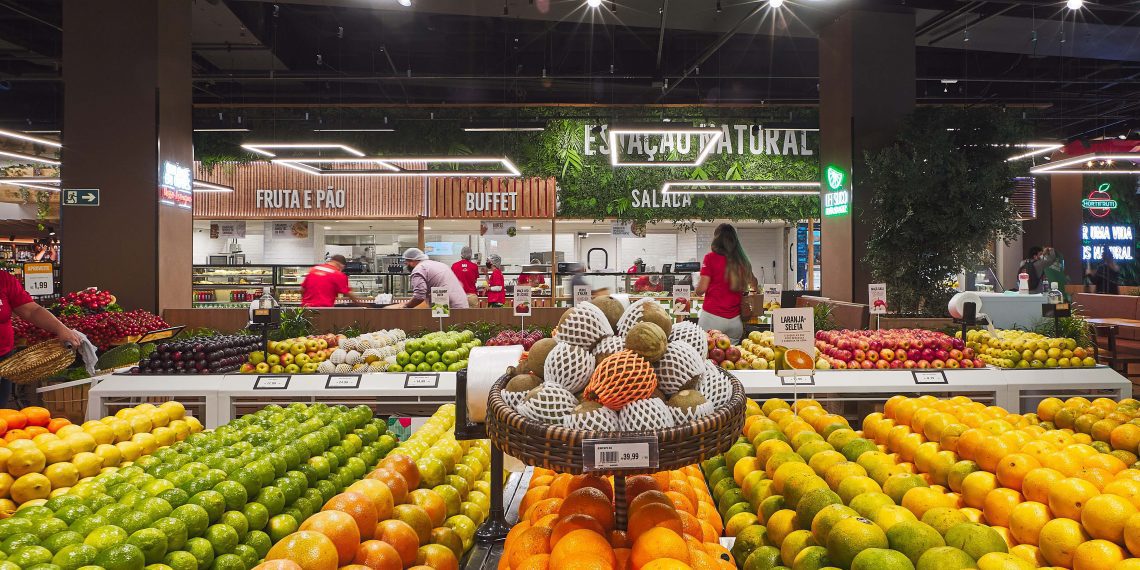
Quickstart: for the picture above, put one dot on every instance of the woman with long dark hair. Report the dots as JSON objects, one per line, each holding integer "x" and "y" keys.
{"x": 726, "y": 276}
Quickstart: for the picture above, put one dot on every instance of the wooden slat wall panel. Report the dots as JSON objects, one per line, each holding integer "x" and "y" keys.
{"x": 537, "y": 197}
{"x": 365, "y": 197}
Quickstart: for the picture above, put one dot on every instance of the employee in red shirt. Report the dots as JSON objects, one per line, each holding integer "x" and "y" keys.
{"x": 325, "y": 282}
{"x": 496, "y": 285}
{"x": 726, "y": 275}
{"x": 466, "y": 270}
{"x": 15, "y": 300}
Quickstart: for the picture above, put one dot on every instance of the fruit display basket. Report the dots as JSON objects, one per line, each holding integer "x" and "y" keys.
{"x": 561, "y": 449}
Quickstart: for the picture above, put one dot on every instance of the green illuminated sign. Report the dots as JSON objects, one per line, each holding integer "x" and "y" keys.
{"x": 836, "y": 198}
{"x": 1100, "y": 202}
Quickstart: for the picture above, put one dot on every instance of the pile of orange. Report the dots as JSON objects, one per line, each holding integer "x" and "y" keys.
{"x": 1111, "y": 425}
{"x": 28, "y": 423}
{"x": 566, "y": 522}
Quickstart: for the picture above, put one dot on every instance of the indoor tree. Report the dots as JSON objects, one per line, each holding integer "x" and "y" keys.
{"x": 940, "y": 197}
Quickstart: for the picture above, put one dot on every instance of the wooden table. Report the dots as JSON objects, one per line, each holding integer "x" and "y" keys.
{"x": 1113, "y": 321}
{"x": 1111, "y": 326}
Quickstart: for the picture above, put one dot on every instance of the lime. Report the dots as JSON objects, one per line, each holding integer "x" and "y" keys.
{"x": 105, "y": 537}
{"x": 256, "y": 515}
{"x": 229, "y": 562}
{"x": 290, "y": 488}
{"x": 29, "y": 556}
{"x": 119, "y": 491}
{"x": 201, "y": 550}
{"x": 113, "y": 512}
{"x": 72, "y": 512}
{"x": 85, "y": 525}
{"x": 34, "y": 513}
{"x": 48, "y": 527}
{"x": 174, "y": 530}
{"x": 18, "y": 541}
{"x": 281, "y": 526}
{"x": 56, "y": 503}
{"x": 152, "y": 543}
{"x": 121, "y": 557}
{"x": 272, "y": 498}
{"x": 234, "y": 493}
{"x": 74, "y": 556}
{"x": 57, "y": 541}
{"x": 223, "y": 538}
{"x": 194, "y": 517}
{"x": 133, "y": 498}
{"x": 10, "y": 526}
{"x": 181, "y": 560}
{"x": 328, "y": 490}
{"x": 259, "y": 541}
{"x": 248, "y": 479}
{"x": 247, "y": 554}
{"x": 212, "y": 501}
{"x": 134, "y": 521}
{"x": 236, "y": 521}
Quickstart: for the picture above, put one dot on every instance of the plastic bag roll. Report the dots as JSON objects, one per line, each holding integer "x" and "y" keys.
{"x": 485, "y": 366}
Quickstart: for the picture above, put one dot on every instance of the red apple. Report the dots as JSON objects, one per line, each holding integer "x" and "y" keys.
{"x": 882, "y": 364}
{"x": 967, "y": 363}
{"x": 952, "y": 363}
{"x": 716, "y": 354}
{"x": 860, "y": 356}
{"x": 909, "y": 364}
{"x": 978, "y": 363}
{"x": 938, "y": 364}
{"x": 887, "y": 354}
{"x": 853, "y": 364}
{"x": 895, "y": 363}
{"x": 872, "y": 355}
{"x": 866, "y": 365}
{"x": 732, "y": 353}
{"x": 924, "y": 363}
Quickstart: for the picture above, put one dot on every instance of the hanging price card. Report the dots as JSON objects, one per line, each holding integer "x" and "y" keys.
{"x": 271, "y": 383}
{"x": 343, "y": 381}
{"x": 627, "y": 453}
{"x": 39, "y": 279}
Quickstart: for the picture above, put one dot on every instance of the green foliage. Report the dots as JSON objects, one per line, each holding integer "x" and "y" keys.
{"x": 940, "y": 198}
{"x": 821, "y": 315}
{"x": 295, "y": 322}
{"x": 1074, "y": 327}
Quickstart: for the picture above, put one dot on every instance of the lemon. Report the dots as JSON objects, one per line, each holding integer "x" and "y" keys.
{"x": 159, "y": 418}
{"x": 69, "y": 429}
{"x": 87, "y": 463}
{"x": 6, "y": 481}
{"x": 26, "y": 460}
{"x": 63, "y": 474}
{"x": 165, "y": 436}
{"x": 80, "y": 442}
{"x": 181, "y": 429}
{"x": 195, "y": 425}
{"x": 110, "y": 454}
{"x": 55, "y": 450}
{"x": 30, "y": 487}
{"x": 174, "y": 409}
{"x": 100, "y": 431}
{"x": 147, "y": 442}
{"x": 130, "y": 450}
{"x": 5, "y": 453}
{"x": 141, "y": 424}
{"x": 121, "y": 428}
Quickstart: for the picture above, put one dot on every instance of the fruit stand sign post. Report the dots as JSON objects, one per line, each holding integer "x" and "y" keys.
{"x": 681, "y": 300}
{"x": 772, "y": 294}
{"x": 521, "y": 304}
{"x": 39, "y": 279}
{"x": 440, "y": 304}
{"x": 628, "y": 453}
{"x": 877, "y": 299}
{"x": 581, "y": 294}
{"x": 795, "y": 329}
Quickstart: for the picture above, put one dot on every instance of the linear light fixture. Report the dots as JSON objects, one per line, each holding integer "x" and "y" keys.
{"x": 511, "y": 127}
{"x": 203, "y": 186}
{"x": 378, "y": 130}
{"x": 312, "y": 166}
{"x": 39, "y": 183}
{"x": 22, "y": 156}
{"x": 741, "y": 187}
{"x": 30, "y": 138}
{"x": 1089, "y": 160}
{"x": 1035, "y": 149}
{"x": 222, "y": 130}
{"x": 264, "y": 149}
{"x": 43, "y": 132}
{"x": 713, "y": 133}
{"x": 391, "y": 166}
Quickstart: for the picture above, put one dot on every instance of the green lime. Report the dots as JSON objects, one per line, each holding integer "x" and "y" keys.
{"x": 113, "y": 512}
{"x": 48, "y": 527}
{"x": 256, "y": 515}
{"x": 99, "y": 501}
{"x": 229, "y": 562}
{"x": 181, "y": 560}
{"x": 201, "y": 550}
{"x": 34, "y": 513}
{"x": 72, "y": 512}
{"x": 247, "y": 554}
{"x": 74, "y": 556}
{"x": 29, "y": 556}
{"x": 134, "y": 521}
{"x": 281, "y": 526}
{"x": 237, "y": 521}
{"x": 10, "y": 526}
{"x": 121, "y": 557}
{"x": 105, "y": 537}
{"x": 57, "y": 541}
{"x": 234, "y": 493}
{"x": 174, "y": 530}
{"x": 133, "y": 498}
{"x": 212, "y": 501}
{"x": 85, "y": 525}
{"x": 194, "y": 517}
{"x": 152, "y": 543}
{"x": 119, "y": 491}
{"x": 272, "y": 498}
{"x": 259, "y": 541}
{"x": 248, "y": 479}
{"x": 56, "y": 503}
{"x": 18, "y": 541}
{"x": 174, "y": 497}
{"x": 223, "y": 538}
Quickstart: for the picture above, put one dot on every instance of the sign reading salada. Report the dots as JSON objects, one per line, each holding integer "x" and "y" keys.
{"x": 735, "y": 139}
{"x": 308, "y": 199}
{"x": 655, "y": 199}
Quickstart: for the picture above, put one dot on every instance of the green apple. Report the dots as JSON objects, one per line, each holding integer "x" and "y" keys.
{"x": 409, "y": 368}
{"x": 417, "y": 357}
{"x": 276, "y": 369}
{"x": 256, "y": 357}
{"x": 439, "y": 367}
{"x": 450, "y": 357}
{"x": 293, "y": 369}
{"x": 423, "y": 367}
{"x": 395, "y": 368}
{"x": 431, "y": 357}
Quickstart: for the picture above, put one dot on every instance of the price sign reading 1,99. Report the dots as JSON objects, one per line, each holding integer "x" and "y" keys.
{"x": 39, "y": 279}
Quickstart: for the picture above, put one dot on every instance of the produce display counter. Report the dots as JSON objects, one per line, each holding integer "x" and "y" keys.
{"x": 114, "y": 392}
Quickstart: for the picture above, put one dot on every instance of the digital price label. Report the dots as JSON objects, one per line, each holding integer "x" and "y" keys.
{"x": 627, "y": 453}
{"x": 271, "y": 382}
{"x": 929, "y": 377}
{"x": 343, "y": 381}
{"x": 421, "y": 381}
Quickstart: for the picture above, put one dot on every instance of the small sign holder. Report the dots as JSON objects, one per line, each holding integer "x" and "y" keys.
{"x": 421, "y": 380}
{"x": 1056, "y": 311}
{"x": 440, "y": 304}
{"x": 581, "y": 294}
{"x": 522, "y": 304}
{"x": 636, "y": 452}
{"x": 923, "y": 377}
{"x": 342, "y": 382}
{"x": 39, "y": 279}
{"x": 276, "y": 382}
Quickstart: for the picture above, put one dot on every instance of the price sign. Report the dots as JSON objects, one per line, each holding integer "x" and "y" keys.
{"x": 877, "y": 298}
{"x": 440, "y": 303}
{"x": 682, "y": 300}
{"x": 794, "y": 328}
{"x": 343, "y": 381}
{"x": 797, "y": 380}
{"x": 627, "y": 453}
{"x": 929, "y": 377}
{"x": 581, "y": 294}
{"x": 39, "y": 279}
{"x": 772, "y": 294}
{"x": 522, "y": 300}
{"x": 271, "y": 382}
{"x": 421, "y": 380}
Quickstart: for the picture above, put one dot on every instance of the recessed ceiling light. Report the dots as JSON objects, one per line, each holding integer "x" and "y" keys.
{"x": 404, "y": 3}
{"x": 1074, "y": 4}
{"x": 593, "y": 3}
{"x": 427, "y": 227}
{"x": 221, "y": 130}
{"x": 778, "y": 3}
{"x": 328, "y": 227}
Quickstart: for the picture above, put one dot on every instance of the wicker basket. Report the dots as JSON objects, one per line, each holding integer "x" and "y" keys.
{"x": 560, "y": 448}
{"x": 37, "y": 362}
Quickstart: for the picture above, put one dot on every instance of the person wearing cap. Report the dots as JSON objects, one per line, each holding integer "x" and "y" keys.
{"x": 496, "y": 286}
{"x": 325, "y": 282}
{"x": 466, "y": 270}
{"x": 426, "y": 274}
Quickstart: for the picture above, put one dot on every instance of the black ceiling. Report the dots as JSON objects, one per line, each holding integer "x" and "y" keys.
{"x": 1075, "y": 73}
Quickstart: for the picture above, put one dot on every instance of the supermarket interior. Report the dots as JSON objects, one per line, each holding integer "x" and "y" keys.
{"x": 569, "y": 285}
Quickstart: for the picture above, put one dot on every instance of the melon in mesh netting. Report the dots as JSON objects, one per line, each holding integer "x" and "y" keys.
{"x": 632, "y": 316}
{"x": 680, "y": 366}
{"x": 650, "y": 414}
{"x": 326, "y": 367}
{"x": 584, "y": 326}
{"x": 513, "y": 399}
{"x": 620, "y": 379}
{"x": 715, "y": 385}
{"x": 692, "y": 335}
{"x": 608, "y": 346}
{"x": 688, "y": 415}
{"x": 568, "y": 366}
{"x": 548, "y": 404}
{"x": 599, "y": 419}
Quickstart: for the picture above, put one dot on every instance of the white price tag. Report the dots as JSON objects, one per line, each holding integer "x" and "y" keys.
{"x": 877, "y": 298}
{"x": 522, "y": 300}
{"x": 271, "y": 383}
{"x": 929, "y": 377}
{"x": 350, "y": 381}
{"x": 581, "y": 294}
{"x": 440, "y": 303}
{"x": 421, "y": 381}
{"x": 39, "y": 279}
{"x": 636, "y": 452}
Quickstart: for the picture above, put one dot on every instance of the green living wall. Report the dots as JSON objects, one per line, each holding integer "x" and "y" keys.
{"x": 762, "y": 144}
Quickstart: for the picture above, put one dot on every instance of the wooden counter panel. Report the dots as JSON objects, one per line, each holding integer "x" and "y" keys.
{"x": 326, "y": 320}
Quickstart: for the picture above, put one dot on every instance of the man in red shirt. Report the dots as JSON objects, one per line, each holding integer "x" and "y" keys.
{"x": 325, "y": 282}
{"x": 466, "y": 270}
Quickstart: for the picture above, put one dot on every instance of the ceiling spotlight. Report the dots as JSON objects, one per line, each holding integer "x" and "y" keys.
{"x": 1074, "y": 4}
{"x": 775, "y": 3}
{"x": 593, "y": 3}
{"x": 51, "y": 231}
{"x": 405, "y": 3}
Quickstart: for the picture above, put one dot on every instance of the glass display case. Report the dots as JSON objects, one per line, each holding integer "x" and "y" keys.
{"x": 229, "y": 285}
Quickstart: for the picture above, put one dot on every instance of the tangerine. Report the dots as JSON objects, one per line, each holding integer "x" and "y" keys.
{"x": 359, "y": 507}
{"x": 573, "y": 522}
{"x": 1067, "y": 497}
{"x": 589, "y": 501}
{"x": 405, "y": 466}
{"x": 1013, "y": 468}
{"x": 378, "y": 555}
{"x": 998, "y": 506}
{"x": 656, "y": 544}
{"x": 340, "y": 528}
{"x": 579, "y": 542}
{"x": 654, "y": 516}
{"x": 309, "y": 550}
{"x": 395, "y": 482}
{"x": 401, "y": 536}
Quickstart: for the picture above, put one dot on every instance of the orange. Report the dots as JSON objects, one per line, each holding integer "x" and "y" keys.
{"x": 618, "y": 539}
{"x": 547, "y": 521}
{"x": 532, "y": 496}
{"x": 682, "y": 503}
{"x": 654, "y": 516}
{"x": 278, "y": 565}
{"x": 589, "y": 501}
{"x": 1059, "y": 540}
{"x": 340, "y": 528}
{"x": 1125, "y": 436}
{"x": 14, "y": 419}
{"x": 976, "y": 486}
{"x": 560, "y": 486}
{"x": 646, "y": 498}
{"x": 33, "y": 431}
{"x": 970, "y": 442}
{"x": 1096, "y": 476}
{"x": 359, "y": 507}
{"x": 1029, "y": 553}
{"x": 596, "y": 481}
{"x": 405, "y": 466}
{"x": 1066, "y": 463}
{"x": 395, "y": 482}
{"x": 37, "y": 416}
{"x": 1105, "y": 461}
{"x": 310, "y": 550}
{"x": 1097, "y": 555}
{"x": 54, "y": 425}
{"x": 513, "y": 535}
{"x": 998, "y": 505}
{"x": 536, "y": 562}
{"x": 574, "y": 522}
{"x": 1127, "y": 488}
{"x": 1013, "y": 468}
{"x": 542, "y": 508}
{"x": 683, "y": 488}
{"x": 1067, "y": 497}
{"x": 1037, "y": 482}
{"x": 691, "y": 525}
{"x": 535, "y": 540}
{"x": 577, "y": 543}
{"x": 1104, "y": 517}
{"x": 667, "y": 564}
{"x": 1026, "y": 520}
{"x": 707, "y": 513}
{"x": 379, "y": 555}
{"x": 401, "y": 536}
{"x": 432, "y": 504}
{"x": 990, "y": 454}
{"x": 655, "y": 544}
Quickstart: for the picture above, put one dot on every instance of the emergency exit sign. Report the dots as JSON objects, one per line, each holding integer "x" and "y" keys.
{"x": 80, "y": 197}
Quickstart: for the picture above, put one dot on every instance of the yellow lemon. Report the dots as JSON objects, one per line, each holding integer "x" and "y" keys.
{"x": 174, "y": 409}
{"x": 5, "y": 453}
{"x": 181, "y": 429}
{"x": 195, "y": 425}
{"x": 159, "y": 417}
{"x": 60, "y": 491}
{"x": 110, "y": 454}
{"x": 141, "y": 424}
{"x": 130, "y": 450}
{"x": 30, "y": 487}
{"x": 101, "y": 432}
{"x": 21, "y": 444}
{"x": 145, "y": 407}
{"x": 62, "y": 474}
{"x": 147, "y": 442}
{"x": 44, "y": 438}
{"x": 122, "y": 429}
{"x": 56, "y": 451}
{"x": 6, "y": 481}
{"x": 25, "y": 461}
{"x": 87, "y": 463}
{"x": 167, "y": 436}
{"x": 67, "y": 430}
{"x": 126, "y": 413}
{"x": 80, "y": 442}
